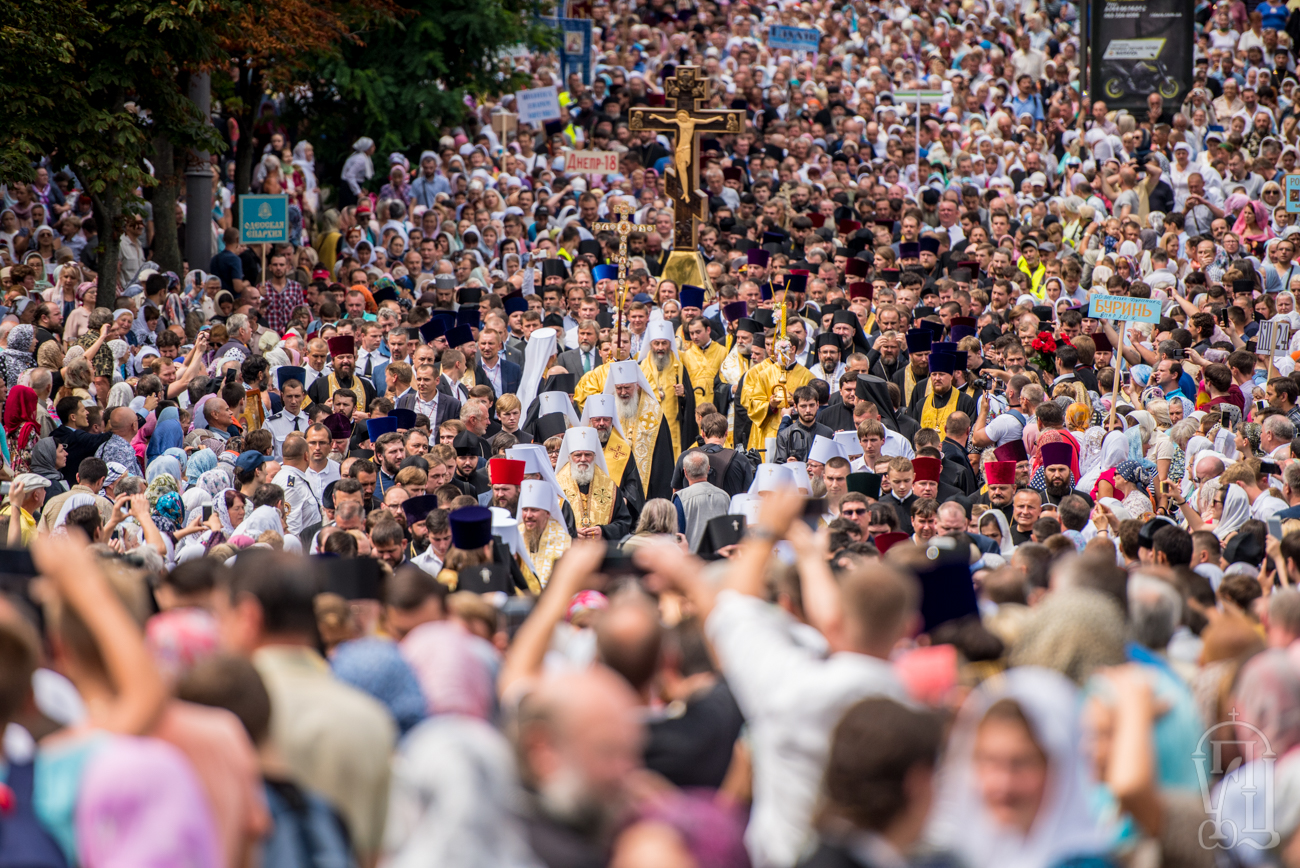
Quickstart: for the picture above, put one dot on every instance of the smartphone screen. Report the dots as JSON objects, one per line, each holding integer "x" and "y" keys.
{"x": 207, "y": 513}
{"x": 1275, "y": 527}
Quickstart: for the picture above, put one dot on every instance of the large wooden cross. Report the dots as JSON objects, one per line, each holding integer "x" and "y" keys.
{"x": 683, "y": 117}
{"x": 624, "y": 227}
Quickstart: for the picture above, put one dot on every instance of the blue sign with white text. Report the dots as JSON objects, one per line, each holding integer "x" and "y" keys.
{"x": 793, "y": 38}
{"x": 1121, "y": 307}
{"x": 263, "y": 219}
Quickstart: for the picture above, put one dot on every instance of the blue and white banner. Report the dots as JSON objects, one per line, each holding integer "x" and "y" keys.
{"x": 794, "y": 38}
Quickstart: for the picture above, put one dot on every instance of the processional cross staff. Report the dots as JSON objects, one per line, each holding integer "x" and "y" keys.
{"x": 624, "y": 227}
{"x": 686, "y": 120}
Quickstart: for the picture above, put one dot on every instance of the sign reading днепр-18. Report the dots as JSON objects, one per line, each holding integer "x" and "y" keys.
{"x": 1122, "y": 307}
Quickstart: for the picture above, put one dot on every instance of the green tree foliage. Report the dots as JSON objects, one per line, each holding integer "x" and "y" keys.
{"x": 94, "y": 82}
{"x": 405, "y": 80}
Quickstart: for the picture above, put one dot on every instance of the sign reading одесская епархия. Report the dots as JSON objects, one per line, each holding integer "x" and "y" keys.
{"x": 1121, "y": 307}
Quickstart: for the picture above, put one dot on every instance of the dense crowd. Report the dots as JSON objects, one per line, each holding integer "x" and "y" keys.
{"x": 418, "y": 541}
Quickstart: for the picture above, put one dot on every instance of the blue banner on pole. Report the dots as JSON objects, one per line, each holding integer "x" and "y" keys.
{"x": 793, "y": 38}
{"x": 575, "y": 47}
{"x": 263, "y": 219}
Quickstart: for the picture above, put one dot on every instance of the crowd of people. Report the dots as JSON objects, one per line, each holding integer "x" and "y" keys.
{"x": 426, "y": 539}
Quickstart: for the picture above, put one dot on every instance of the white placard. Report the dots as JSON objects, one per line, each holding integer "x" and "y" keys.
{"x": 591, "y": 162}
{"x": 538, "y": 105}
{"x": 1273, "y": 338}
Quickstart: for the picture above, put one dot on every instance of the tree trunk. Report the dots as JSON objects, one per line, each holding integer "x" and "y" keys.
{"x": 246, "y": 146}
{"x": 166, "y": 243}
{"x": 108, "y": 219}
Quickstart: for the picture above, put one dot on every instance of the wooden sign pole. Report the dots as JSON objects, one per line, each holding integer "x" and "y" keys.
{"x": 1119, "y": 361}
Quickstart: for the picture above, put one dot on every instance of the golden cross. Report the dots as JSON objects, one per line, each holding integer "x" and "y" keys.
{"x": 624, "y": 227}
{"x": 683, "y": 117}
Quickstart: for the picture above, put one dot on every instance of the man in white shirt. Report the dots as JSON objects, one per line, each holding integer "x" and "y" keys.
{"x": 793, "y": 697}
{"x": 369, "y": 353}
{"x": 318, "y": 362}
{"x": 1009, "y": 424}
{"x": 304, "y": 504}
{"x": 291, "y": 419}
{"x": 321, "y": 469}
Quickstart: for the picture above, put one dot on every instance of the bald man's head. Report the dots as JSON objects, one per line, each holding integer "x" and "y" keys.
{"x": 579, "y": 737}
{"x": 628, "y": 639}
{"x": 1208, "y": 468}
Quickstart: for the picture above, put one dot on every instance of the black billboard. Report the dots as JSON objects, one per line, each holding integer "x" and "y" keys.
{"x": 1140, "y": 47}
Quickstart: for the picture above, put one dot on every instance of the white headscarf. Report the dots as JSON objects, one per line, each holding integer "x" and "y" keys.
{"x": 1236, "y": 510}
{"x": 455, "y": 799}
{"x": 1008, "y": 545}
{"x": 76, "y": 500}
{"x": 1064, "y": 826}
{"x": 1114, "y": 449}
{"x": 262, "y": 519}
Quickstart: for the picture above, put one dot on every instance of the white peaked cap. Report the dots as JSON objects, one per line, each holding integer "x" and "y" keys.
{"x": 799, "y": 473}
{"x": 557, "y": 402}
{"x": 536, "y": 460}
{"x": 601, "y": 405}
{"x": 771, "y": 477}
{"x": 541, "y": 346}
{"x": 848, "y": 441}
{"x": 581, "y": 440}
{"x": 623, "y": 373}
{"x": 506, "y": 526}
{"x": 824, "y": 449}
{"x": 658, "y": 330}
{"x": 540, "y": 494}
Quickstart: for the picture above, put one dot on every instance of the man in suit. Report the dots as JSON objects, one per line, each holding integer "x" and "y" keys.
{"x": 584, "y": 357}
{"x": 399, "y": 346}
{"x": 493, "y": 370}
{"x": 957, "y": 471}
{"x": 370, "y": 352}
{"x": 425, "y": 398}
{"x": 453, "y": 371}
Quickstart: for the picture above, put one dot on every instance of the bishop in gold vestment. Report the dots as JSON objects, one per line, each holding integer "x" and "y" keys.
{"x": 756, "y": 398}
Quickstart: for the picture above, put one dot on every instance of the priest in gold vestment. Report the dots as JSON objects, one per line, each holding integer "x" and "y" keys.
{"x": 670, "y": 382}
{"x": 597, "y": 507}
{"x": 543, "y": 527}
{"x": 601, "y": 413}
{"x": 766, "y": 397}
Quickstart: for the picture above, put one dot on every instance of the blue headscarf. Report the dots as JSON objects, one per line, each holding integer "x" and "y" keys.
{"x": 167, "y": 434}
{"x": 200, "y": 463}
{"x": 375, "y": 666}
{"x": 163, "y": 464}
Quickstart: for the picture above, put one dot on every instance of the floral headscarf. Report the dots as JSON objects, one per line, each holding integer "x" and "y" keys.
{"x": 165, "y": 502}
{"x": 17, "y": 357}
{"x": 1252, "y": 432}
{"x": 1135, "y": 473}
{"x": 214, "y": 481}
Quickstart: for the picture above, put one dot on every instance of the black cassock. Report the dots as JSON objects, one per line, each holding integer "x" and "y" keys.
{"x": 723, "y": 397}
{"x": 837, "y": 416}
{"x": 663, "y": 460}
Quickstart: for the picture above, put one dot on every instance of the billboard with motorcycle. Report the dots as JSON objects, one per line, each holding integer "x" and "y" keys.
{"x": 1140, "y": 47}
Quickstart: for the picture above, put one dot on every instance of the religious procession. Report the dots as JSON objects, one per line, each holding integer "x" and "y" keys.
{"x": 888, "y": 460}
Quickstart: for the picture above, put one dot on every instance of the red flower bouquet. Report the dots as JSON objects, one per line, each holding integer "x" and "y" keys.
{"x": 1043, "y": 353}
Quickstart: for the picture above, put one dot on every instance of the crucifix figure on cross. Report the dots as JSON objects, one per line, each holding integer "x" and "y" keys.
{"x": 624, "y": 227}
{"x": 683, "y": 117}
